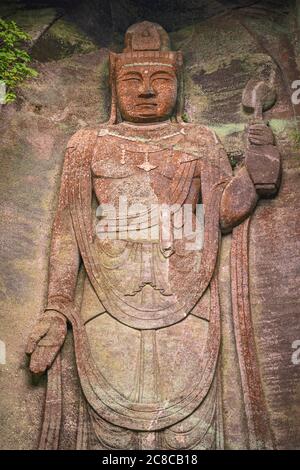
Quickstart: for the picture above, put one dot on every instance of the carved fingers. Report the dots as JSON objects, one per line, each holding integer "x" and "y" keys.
{"x": 42, "y": 358}
{"x": 45, "y": 341}
{"x": 260, "y": 134}
{"x": 39, "y": 331}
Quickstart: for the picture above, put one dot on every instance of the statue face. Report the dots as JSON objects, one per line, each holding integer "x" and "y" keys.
{"x": 146, "y": 93}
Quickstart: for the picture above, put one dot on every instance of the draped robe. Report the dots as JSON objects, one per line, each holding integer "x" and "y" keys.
{"x": 147, "y": 328}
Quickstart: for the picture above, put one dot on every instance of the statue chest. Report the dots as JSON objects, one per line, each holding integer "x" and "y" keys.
{"x": 140, "y": 172}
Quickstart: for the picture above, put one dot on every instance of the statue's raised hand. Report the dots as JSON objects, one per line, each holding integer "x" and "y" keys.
{"x": 260, "y": 134}
{"x": 46, "y": 340}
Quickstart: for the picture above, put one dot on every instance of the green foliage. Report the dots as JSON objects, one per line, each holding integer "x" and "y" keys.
{"x": 296, "y": 137}
{"x": 235, "y": 158}
{"x": 14, "y": 61}
{"x": 185, "y": 117}
{"x": 233, "y": 161}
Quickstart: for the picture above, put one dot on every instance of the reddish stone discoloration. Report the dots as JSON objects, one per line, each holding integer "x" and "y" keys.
{"x": 149, "y": 291}
{"x": 275, "y": 283}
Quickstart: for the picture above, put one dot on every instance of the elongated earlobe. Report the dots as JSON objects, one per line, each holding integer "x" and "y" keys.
{"x": 112, "y": 80}
{"x": 180, "y": 96}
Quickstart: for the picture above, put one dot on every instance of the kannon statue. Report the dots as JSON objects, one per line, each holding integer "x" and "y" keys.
{"x": 145, "y": 309}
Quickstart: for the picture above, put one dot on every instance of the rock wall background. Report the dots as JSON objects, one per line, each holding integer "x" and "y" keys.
{"x": 224, "y": 44}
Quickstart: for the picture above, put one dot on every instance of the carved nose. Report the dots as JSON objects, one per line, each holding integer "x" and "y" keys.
{"x": 147, "y": 93}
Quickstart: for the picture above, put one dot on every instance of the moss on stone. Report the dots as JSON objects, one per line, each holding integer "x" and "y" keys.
{"x": 61, "y": 40}
{"x": 67, "y": 33}
{"x": 224, "y": 130}
{"x": 295, "y": 136}
{"x": 34, "y": 21}
{"x": 220, "y": 57}
{"x": 277, "y": 125}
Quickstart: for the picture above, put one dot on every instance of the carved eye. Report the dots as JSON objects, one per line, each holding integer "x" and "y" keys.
{"x": 131, "y": 79}
{"x": 164, "y": 79}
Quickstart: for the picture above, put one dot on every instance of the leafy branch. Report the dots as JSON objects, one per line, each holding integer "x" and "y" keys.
{"x": 14, "y": 60}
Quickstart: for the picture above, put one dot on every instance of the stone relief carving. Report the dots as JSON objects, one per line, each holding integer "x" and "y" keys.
{"x": 146, "y": 324}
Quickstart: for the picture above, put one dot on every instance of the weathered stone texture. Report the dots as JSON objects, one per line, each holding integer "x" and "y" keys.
{"x": 221, "y": 54}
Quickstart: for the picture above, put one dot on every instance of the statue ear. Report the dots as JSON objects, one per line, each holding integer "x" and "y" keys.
{"x": 112, "y": 81}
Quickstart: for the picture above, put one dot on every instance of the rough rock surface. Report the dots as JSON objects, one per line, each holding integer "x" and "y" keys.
{"x": 224, "y": 44}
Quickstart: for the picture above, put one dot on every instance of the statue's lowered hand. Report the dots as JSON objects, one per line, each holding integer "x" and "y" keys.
{"x": 46, "y": 340}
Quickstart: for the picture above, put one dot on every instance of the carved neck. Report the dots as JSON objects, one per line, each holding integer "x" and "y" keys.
{"x": 141, "y": 125}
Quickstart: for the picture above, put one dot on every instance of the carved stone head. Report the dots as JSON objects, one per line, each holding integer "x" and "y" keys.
{"x": 146, "y": 76}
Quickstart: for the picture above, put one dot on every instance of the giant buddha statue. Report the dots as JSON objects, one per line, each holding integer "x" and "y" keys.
{"x": 133, "y": 270}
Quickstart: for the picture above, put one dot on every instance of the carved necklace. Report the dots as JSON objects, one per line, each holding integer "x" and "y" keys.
{"x": 146, "y": 165}
{"x": 104, "y": 132}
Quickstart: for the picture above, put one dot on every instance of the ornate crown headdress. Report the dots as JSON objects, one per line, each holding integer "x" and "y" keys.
{"x": 146, "y": 43}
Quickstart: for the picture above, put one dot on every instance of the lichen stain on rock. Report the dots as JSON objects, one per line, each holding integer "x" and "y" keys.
{"x": 63, "y": 39}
